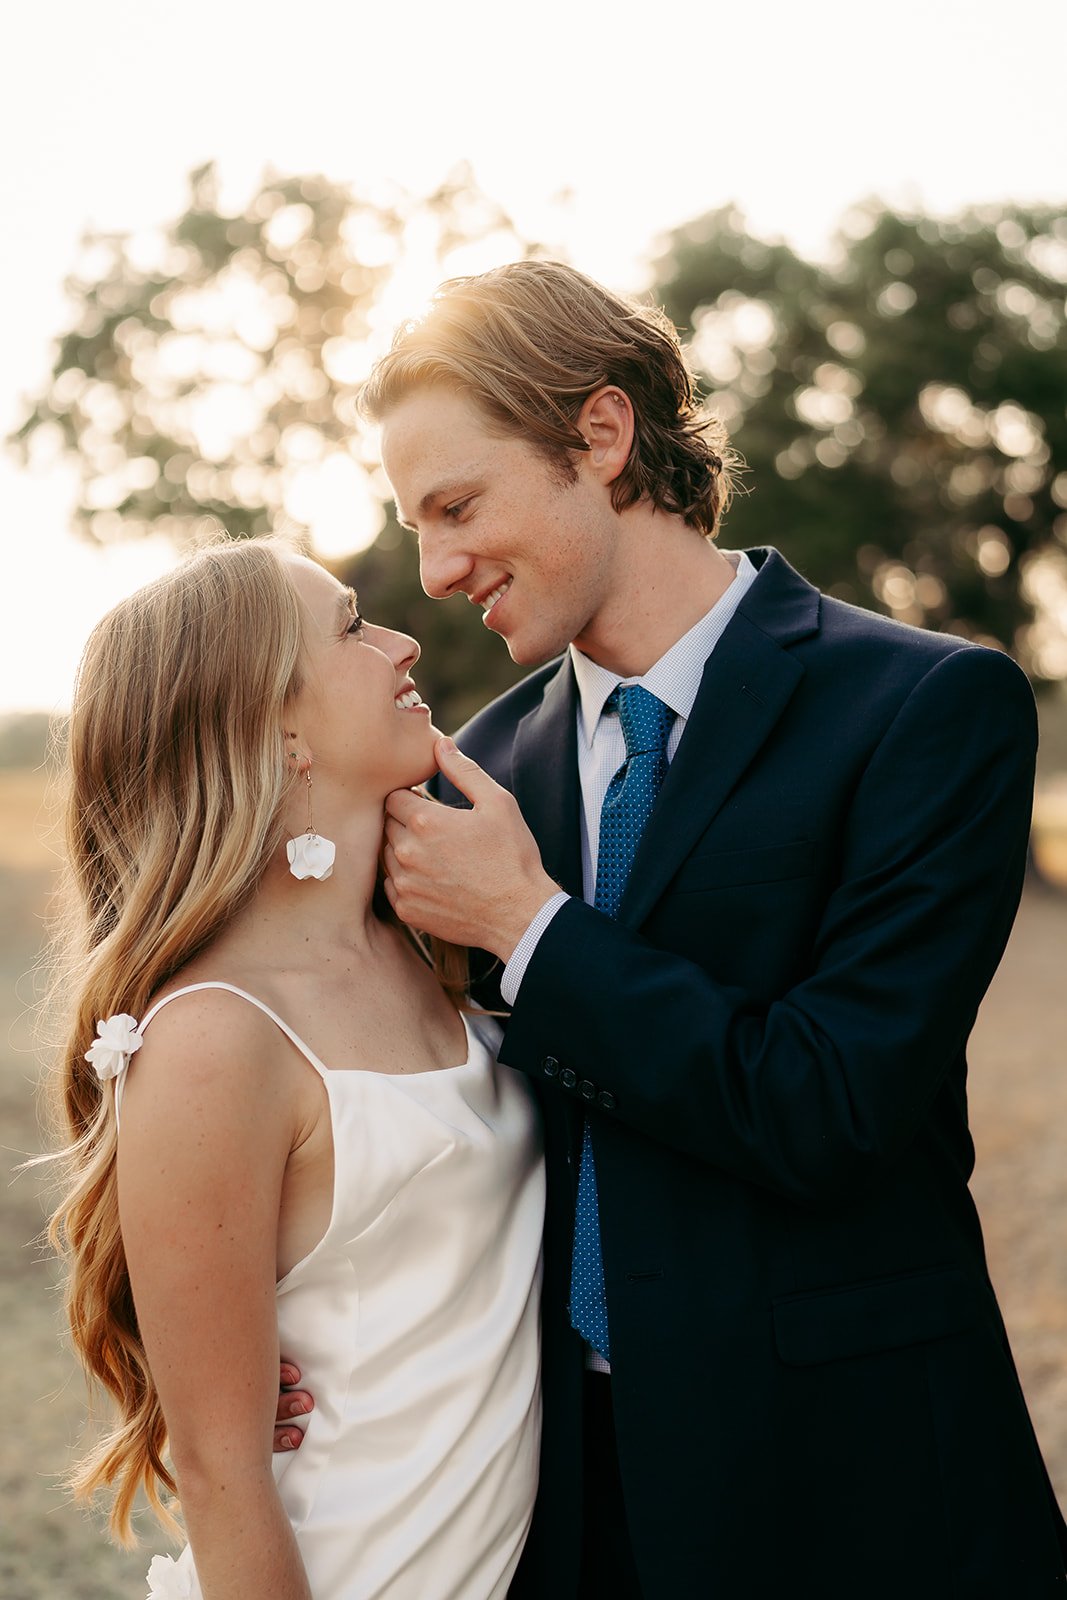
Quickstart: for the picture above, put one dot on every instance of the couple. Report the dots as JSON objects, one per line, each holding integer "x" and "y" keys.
{"x": 747, "y": 859}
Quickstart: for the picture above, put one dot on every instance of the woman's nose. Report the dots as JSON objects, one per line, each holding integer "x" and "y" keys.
{"x": 403, "y": 651}
{"x": 406, "y": 650}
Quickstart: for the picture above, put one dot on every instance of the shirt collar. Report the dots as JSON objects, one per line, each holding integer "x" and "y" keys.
{"x": 675, "y": 677}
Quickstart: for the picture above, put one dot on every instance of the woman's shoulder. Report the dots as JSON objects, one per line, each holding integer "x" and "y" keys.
{"x": 216, "y": 1030}
{"x": 209, "y": 1110}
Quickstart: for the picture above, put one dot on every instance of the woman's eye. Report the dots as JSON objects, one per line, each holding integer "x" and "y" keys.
{"x": 355, "y": 627}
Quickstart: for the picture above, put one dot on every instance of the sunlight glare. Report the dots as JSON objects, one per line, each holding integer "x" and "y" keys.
{"x": 334, "y": 500}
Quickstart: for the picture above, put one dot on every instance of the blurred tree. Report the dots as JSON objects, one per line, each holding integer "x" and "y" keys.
{"x": 210, "y": 377}
{"x": 901, "y": 410}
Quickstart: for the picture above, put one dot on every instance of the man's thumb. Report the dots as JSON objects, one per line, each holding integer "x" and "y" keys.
{"x": 462, "y": 772}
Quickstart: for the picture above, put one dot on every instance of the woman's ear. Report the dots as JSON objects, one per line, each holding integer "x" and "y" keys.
{"x": 606, "y": 422}
{"x": 296, "y": 759}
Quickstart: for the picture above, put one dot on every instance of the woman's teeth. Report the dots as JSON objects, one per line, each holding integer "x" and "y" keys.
{"x": 408, "y": 701}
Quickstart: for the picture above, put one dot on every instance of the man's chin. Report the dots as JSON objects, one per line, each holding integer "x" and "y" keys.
{"x": 533, "y": 653}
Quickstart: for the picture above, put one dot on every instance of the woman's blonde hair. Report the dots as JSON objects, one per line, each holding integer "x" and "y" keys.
{"x": 529, "y": 342}
{"x": 175, "y": 791}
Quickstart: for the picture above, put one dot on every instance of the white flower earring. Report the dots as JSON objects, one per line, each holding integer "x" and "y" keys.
{"x": 310, "y": 855}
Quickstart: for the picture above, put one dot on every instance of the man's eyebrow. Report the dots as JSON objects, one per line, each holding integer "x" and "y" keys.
{"x": 442, "y": 491}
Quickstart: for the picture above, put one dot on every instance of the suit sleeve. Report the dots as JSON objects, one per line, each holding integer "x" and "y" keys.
{"x": 807, "y": 1094}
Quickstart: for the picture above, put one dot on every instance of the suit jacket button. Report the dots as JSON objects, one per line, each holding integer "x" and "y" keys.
{"x": 587, "y": 1090}
{"x": 568, "y": 1078}
{"x": 606, "y": 1099}
{"x": 550, "y": 1066}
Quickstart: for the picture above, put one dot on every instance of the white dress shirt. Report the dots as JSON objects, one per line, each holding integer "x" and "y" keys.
{"x": 675, "y": 679}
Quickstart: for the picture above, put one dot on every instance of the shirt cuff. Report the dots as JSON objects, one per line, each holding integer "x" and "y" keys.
{"x": 515, "y": 970}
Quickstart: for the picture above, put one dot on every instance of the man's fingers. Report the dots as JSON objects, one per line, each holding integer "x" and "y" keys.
{"x": 395, "y": 833}
{"x": 403, "y": 805}
{"x": 293, "y": 1404}
{"x": 287, "y": 1439}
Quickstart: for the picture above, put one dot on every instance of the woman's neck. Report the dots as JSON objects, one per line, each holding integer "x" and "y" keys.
{"x": 291, "y": 917}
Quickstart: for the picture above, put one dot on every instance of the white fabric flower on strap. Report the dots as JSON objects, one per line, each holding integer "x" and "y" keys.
{"x": 168, "y": 1580}
{"x": 116, "y": 1040}
{"x": 311, "y": 856}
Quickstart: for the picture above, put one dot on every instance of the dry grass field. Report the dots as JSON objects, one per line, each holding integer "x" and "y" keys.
{"x": 47, "y": 1548}
{"x": 50, "y": 1551}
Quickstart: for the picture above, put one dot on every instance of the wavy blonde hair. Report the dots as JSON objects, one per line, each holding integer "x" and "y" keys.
{"x": 174, "y": 800}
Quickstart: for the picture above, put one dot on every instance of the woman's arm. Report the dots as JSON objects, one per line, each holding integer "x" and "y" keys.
{"x": 208, "y": 1120}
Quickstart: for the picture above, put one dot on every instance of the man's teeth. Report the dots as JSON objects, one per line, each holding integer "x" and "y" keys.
{"x": 408, "y": 701}
{"x": 491, "y": 599}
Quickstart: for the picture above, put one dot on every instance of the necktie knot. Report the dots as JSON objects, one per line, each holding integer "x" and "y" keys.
{"x": 646, "y": 721}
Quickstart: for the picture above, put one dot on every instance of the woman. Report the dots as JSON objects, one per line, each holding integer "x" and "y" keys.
{"x": 286, "y": 1135}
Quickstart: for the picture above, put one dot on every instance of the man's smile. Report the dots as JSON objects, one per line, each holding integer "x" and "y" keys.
{"x": 489, "y": 601}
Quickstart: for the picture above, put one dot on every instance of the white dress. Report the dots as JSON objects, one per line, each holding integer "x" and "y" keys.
{"x": 415, "y": 1323}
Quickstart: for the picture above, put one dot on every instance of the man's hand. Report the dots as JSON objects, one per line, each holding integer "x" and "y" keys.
{"x": 471, "y": 877}
{"x": 291, "y": 1403}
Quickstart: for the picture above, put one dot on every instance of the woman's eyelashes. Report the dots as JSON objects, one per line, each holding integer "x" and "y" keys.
{"x": 355, "y": 627}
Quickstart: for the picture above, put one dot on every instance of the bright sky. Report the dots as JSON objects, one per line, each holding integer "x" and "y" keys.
{"x": 647, "y": 115}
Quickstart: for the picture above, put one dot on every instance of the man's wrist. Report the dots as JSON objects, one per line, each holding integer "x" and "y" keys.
{"x": 519, "y": 915}
{"x": 515, "y": 970}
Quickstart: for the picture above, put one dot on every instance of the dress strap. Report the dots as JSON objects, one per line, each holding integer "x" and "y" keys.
{"x": 230, "y": 988}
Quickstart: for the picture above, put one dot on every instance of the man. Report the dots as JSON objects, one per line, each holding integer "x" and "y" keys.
{"x": 748, "y": 858}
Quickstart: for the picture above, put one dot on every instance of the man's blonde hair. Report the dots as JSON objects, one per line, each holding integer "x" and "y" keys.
{"x": 530, "y": 342}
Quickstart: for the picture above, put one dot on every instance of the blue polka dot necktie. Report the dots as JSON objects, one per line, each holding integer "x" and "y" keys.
{"x": 646, "y": 725}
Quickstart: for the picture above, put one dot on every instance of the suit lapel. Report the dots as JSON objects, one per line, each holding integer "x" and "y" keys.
{"x": 748, "y": 681}
{"x": 545, "y": 778}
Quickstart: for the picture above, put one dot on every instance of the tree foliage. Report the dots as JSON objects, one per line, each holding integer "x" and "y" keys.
{"x": 210, "y": 378}
{"x": 210, "y": 363}
{"x": 901, "y": 409}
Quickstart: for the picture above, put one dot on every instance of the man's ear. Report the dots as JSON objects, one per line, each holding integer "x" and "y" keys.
{"x": 606, "y": 422}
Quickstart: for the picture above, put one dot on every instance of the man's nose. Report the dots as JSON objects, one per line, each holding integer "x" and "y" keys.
{"x": 443, "y": 572}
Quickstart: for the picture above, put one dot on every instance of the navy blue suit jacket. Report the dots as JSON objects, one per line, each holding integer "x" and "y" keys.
{"x": 812, "y": 1386}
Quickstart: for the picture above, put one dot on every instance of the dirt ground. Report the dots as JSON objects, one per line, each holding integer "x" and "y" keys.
{"x": 50, "y": 1551}
{"x": 1018, "y": 1099}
